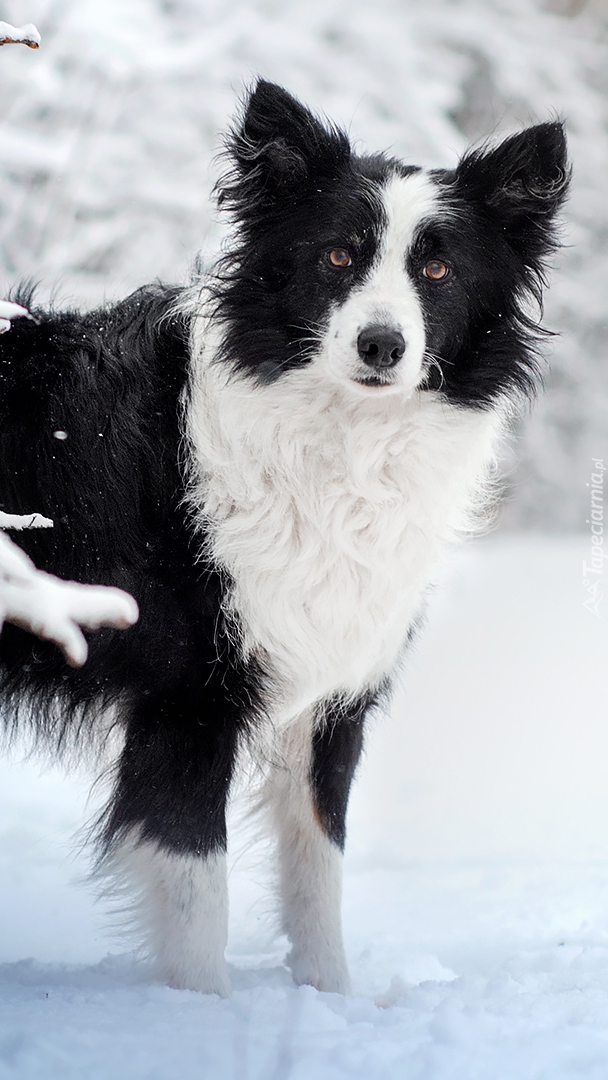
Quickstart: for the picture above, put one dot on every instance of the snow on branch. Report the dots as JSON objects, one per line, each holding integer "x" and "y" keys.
{"x": 54, "y": 609}
{"x": 24, "y": 521}
{"x": 8, "y": 310}
{"x": 19, "y": 35}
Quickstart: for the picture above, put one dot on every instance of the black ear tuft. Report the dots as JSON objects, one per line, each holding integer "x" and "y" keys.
{"x": 521, "y": 183}
{"x": 279, "y": 144}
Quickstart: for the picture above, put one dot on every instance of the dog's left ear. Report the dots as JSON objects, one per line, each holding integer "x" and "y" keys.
{"x": 521, "y": 183}
{"x": 279, "y": 144}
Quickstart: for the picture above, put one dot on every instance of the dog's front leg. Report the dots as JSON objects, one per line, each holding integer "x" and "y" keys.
{"x": 307, "y": 795}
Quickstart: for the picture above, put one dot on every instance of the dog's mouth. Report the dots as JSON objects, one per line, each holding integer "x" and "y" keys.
{"x": 375, "y": 382}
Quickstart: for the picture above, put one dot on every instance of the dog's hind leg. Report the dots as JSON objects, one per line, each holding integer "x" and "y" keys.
{"x": 307, "y": 795}
{"x": 181, "y": 905}
{"x": 166, "y": 837}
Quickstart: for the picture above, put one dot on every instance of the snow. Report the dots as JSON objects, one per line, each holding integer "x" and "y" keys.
{"x": 10, "y": 311}
{"x": 24, "y": 35}
{"x": 24, "y": 521}
{"x": 476, "y": 885}
{"x": 52, "y": 608}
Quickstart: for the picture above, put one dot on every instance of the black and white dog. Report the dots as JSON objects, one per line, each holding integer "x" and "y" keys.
{"x": 271, "y": 461}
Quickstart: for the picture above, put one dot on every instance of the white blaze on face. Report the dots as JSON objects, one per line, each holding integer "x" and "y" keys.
{"x": 388, "y": 297}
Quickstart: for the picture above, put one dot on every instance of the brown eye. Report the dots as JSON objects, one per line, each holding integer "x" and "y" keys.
{"x": 339, "y": 257}
{"x": 436, "y": 270}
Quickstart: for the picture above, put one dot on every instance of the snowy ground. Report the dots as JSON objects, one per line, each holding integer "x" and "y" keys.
{"x": 476, "y": 891}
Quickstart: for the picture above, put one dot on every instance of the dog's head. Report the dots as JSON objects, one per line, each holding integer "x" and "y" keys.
{"x": 385, "y": 278}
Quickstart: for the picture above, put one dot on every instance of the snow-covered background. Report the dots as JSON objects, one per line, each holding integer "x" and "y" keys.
{"x": 476, "y": 891}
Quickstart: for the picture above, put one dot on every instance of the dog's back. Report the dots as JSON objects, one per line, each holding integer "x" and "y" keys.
{"x": 90, "y": 431}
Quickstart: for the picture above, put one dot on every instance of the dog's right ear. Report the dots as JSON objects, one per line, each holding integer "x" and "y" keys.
{"x": 279, "y": 145}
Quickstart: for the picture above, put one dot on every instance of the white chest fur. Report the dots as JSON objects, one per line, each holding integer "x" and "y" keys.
{"x": 330, "y": 511}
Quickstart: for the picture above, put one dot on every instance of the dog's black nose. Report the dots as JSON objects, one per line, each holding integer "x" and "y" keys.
{"x": 380, "y": 347}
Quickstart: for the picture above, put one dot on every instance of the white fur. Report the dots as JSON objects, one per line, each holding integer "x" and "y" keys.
{"x": 182, "y": 906}
{"x": 330, "y": 511}
{"x": 310, "y": 866}
{"x": 388, "y": 297}
{"x": 330, "y": 506}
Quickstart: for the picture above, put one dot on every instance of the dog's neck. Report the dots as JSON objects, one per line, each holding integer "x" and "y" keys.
{"x": 330, "y": 510}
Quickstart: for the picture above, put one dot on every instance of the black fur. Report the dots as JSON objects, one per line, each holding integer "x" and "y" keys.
{"x": 336, "y": 749}
{"x": 294, "y": 179}
{"x": 114, "y": 488}
{"x": 501, "y": 227}
{"x": 113, "y": 380}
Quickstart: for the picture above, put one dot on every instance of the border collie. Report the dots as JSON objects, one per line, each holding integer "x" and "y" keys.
{"x": 271, "y": 461}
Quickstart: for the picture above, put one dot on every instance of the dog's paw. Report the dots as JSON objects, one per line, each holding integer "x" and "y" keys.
{"x": 327, "y": 973}
{"x": 214, "y": 981}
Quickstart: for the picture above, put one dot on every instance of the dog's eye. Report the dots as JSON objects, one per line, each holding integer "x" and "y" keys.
{"x": 436, "y": 270}
{"x": 339, "y": 257}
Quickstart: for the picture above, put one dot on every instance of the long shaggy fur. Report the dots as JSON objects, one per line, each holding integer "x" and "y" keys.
{"x": 272, "y": 462}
